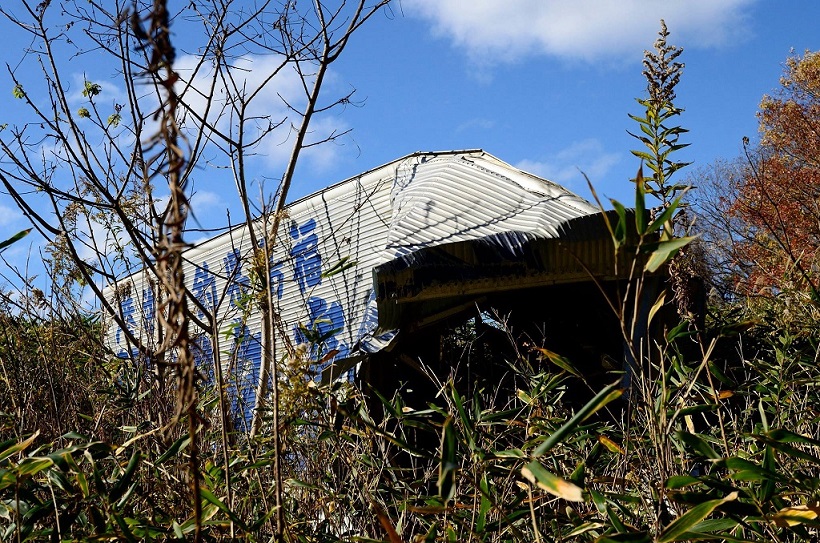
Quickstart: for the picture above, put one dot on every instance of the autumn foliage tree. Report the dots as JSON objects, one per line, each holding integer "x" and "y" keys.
{"x": 771, "y": 203}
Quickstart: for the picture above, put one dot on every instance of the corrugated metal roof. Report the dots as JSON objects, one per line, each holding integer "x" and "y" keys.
{"x": 447, "y": 199}
{"x": 388, "y": 216}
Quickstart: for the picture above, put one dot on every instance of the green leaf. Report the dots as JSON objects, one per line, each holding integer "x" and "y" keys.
{"x": 718, "y": 373}
{"x": 640, "y": 202}
{"x": 58, "y": 479}
{"x": 603, "y": 507}
{"x": 715, "y": 524}
{"x": 697, "y": 535}
{"x": 677, "y": 530}
{"x": 643, "y": 155}
{"x": 302, "y": 484}
{"x": 209, "y": 496}
{"x": 465, "y": 421}
{"x": 16, "y": 237}
{"x": 175, "y": 447}
{"x": 767, "y": 489}
{"x": 535, "y": 473}
{"x": 18, "y": 447}
{"x": 681, "y": 481}
{"x": 584, "y": 528}
{"x": 656, "y": 307}
{"x": 75, "y": 435}
{"x": 7, "y": 479}
{"x": 82, "y": 482}
{"x": 579, "y": 475}
{"x": 665, "y": 252}
{"x": 560, "y": 361}
{"x": 646, "y": 129}
{"x": 484, "y": 506}
{"x": 122, "y": 501}
{"x": 126, "y": 531}
{"x": 91, "y": 89}
{"x": 343, "y": 264}
{"x": 625, "y": 537}
{"x": 608, "y": 394}
{"x": 640, "y": 120}
{"x": 619, "y": 235}
{"x": 524, "y": 397}
{"x": 749, "y": 471}
{"x": 32, "y": 466}
{"x": 177, "y": 530}
{"x": 698, "y": 443}
{"x": 448, "y": 462}
{"x": 665, "y": 216}
{"x": 786, "y": 436}
{"x": 122, "y": 484}
{"x": 681, "y": 330}
{"x": 509, "y": 453}
{"x": 695, "y": 409}
{"x": 783, "y": 447}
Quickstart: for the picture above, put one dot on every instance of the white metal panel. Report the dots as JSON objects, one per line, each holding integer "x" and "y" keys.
{"x": 422, "y": 200}
{"x": 445, "y": 199}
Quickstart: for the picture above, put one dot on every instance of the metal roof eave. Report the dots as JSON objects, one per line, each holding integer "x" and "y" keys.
{"x": 429, "y": 281}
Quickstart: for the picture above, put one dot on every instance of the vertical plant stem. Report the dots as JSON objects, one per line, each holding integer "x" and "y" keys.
{"x": 270, "y": 358}
{"x": 174, "y": 315}
{"x": 532, "y": 516}
{"x": 223, "y": 414}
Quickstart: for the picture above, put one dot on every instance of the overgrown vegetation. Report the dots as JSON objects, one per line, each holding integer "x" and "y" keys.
{"x": 709, "y": 431}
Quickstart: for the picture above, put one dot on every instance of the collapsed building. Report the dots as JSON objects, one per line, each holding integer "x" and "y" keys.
{"x": 367, "y": 274}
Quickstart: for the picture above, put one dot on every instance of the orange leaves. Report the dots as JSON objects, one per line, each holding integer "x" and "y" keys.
{"x": 778, "y": 195}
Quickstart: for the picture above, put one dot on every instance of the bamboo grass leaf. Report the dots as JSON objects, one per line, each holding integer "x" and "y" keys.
{"x": 665, "y": 251}
{"x": 535, "y": 473}
{"x": 607, "y": 395}
{"x": 16, "y": 237}
{"x": 448, "y": 462}
{"x": 683, "y": 524}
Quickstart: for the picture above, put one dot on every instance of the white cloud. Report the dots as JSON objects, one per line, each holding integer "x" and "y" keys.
{"x": 97, "y": 241}
{"x": 270, "y": 107}
{"x": 20, "y": 254}
{"x": 276, "y": 149}
{"x": 492, "y": 31}
{"x": 8, "y": 215}
{"x": 204, "y": 200}
{"x": 474, "y": 125}
{"x": 109, "y": 92}
{"x": 565, "y": 166}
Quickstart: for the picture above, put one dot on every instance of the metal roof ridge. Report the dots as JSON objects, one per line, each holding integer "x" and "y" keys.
{"x": 390, "y": 163}
{"x": 229, "y": 230}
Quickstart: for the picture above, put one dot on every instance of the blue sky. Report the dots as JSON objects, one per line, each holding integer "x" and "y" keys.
{"x": 545, "y": 85}
{"x": 553, "y": 105}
